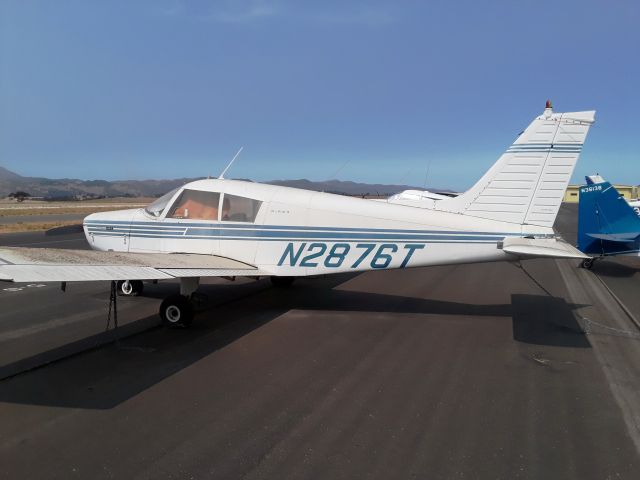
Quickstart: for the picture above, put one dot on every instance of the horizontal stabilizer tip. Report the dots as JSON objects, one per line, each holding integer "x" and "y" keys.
{"x": 615, "y": 237}
{"x": 541, "y": 247}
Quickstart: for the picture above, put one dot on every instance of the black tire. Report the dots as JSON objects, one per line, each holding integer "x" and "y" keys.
{"x": 282, "y": 282}
{"x": 130, "y": 288}
{"x": 587, "y": 263}
{"x": 176, "y": 311}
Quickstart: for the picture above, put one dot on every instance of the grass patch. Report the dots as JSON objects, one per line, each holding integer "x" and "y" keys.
{"x": 34, "y": 226}
{"x": 38, "y": 207}
{"x": 12, "y": 212}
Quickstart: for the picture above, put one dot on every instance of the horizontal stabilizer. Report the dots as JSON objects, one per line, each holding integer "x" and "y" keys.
{"x": 615, "y": 237}
{"x": 60, "y": 265}
{"x": 541, "y": 247}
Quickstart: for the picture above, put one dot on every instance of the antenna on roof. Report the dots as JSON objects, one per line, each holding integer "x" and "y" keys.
{"x": 426, "y": 176}
{"x": 221, "y": 176}
{"x": 335, "y": 175}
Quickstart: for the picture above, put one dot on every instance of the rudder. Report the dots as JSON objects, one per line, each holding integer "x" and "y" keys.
{"x": 527, "y": 183}
{"x": 607, "y": 225}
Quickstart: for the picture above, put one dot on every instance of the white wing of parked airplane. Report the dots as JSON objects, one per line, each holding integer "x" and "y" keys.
{"x": 44, "y": 264}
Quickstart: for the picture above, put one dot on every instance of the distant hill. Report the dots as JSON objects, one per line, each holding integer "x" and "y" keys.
{"x": 8, "y": 175}
{"x": 70, "y": 188}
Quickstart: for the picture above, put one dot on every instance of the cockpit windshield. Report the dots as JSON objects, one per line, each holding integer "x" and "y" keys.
{"x": 155, "y": 208}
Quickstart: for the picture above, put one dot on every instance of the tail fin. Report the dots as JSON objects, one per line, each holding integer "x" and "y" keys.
{"x": 607, "y": 225}
{"x": 527, "y": 183}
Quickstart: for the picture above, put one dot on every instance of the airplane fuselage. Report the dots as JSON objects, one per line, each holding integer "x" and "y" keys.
{"x": 299, "y": 232}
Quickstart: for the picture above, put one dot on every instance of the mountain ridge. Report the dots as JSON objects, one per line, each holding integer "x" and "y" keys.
{"x": 74, "y": 188}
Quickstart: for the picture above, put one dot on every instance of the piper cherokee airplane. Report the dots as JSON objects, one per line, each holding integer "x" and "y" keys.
{"x": 607, "y": 224}
{"x": 225, "y": 228}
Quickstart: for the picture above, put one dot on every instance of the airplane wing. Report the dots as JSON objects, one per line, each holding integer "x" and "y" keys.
{"x": 18, "y": 264}
{"x": 541, "y": 247}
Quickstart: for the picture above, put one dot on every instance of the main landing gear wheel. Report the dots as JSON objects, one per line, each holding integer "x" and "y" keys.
{"x": 588, "y": 263}
{"x": 176, "y": 311}
{"x": 282, "y": 282}
{"x": 130, "y": 288}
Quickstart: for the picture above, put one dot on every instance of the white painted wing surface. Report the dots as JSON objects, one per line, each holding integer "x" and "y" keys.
{"x": 541, "y": 247}
{"x": 59, "y": 265}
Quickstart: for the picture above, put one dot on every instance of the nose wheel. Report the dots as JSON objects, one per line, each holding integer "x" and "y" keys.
{"x": 176, "y": 311}
{"x": 129, "y": 288}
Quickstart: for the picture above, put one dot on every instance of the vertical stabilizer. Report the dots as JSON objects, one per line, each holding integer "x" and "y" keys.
{"x": 527, "y": 183}
{"x": 607, "y": 225}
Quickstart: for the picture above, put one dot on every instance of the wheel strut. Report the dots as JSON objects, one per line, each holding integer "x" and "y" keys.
{"x": 113, "y": 306}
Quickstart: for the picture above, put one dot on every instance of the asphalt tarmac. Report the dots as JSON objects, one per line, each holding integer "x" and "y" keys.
{"x": 40, "y": 323}
{"x": 621, "y": 274}
{"x": 469, "y": 371}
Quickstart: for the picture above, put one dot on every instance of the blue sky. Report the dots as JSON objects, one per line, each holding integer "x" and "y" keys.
{"x": 373, "y": 91}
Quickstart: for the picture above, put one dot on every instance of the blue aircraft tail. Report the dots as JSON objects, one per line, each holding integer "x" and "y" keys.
{"x": 607, "y": 225}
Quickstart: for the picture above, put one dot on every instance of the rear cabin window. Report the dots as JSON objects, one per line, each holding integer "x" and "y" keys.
{"x": 239, "y": 209}
{"x": 196, "y": 205}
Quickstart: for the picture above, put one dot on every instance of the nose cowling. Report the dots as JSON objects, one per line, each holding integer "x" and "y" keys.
{"x": 108, "y": 230}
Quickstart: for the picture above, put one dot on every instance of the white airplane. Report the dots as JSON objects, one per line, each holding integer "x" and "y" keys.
{"x": 226, "y": 228}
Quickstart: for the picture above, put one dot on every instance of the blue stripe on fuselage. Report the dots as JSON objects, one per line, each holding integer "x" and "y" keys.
{"x": 95, "y": 224}
{"x": 296, "y": 239}
{"x": 257, "y": 233}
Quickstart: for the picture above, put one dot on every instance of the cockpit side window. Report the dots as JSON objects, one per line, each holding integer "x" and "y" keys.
{"x": 196, "y": 205}
{"x": 239, "y": 209}
{"x": 156, "y": 207}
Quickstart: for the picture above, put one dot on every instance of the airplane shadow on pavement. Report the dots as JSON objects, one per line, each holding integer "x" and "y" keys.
{"x": 65, "y": 230}
{"x": 545, "y": 320}
{"x": 607, "y": 268}
{"x": 105, "y": 377}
